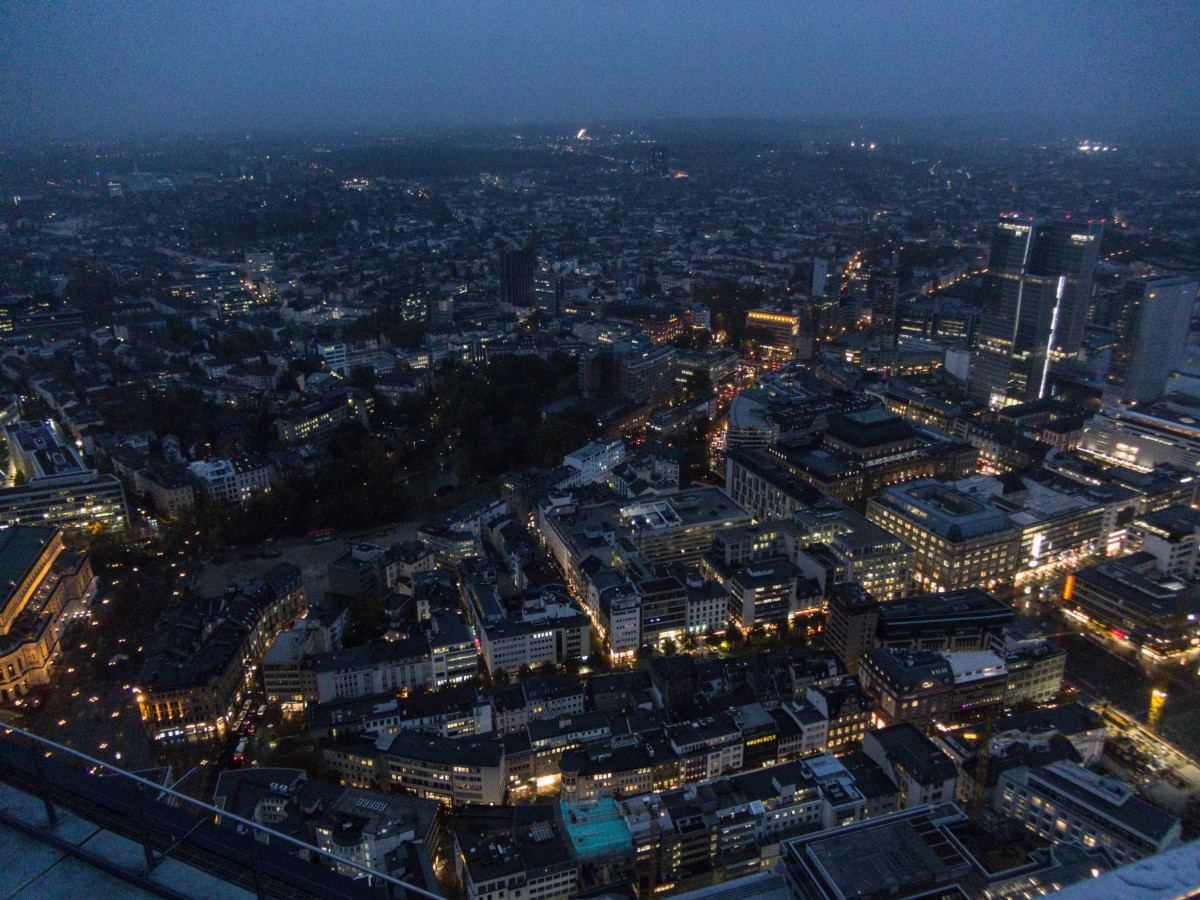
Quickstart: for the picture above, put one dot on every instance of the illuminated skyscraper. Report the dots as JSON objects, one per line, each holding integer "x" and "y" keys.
{"x": 547, "y": 291}
{"x": 1035, "y": 305}
{"x": 1151, "y": 334}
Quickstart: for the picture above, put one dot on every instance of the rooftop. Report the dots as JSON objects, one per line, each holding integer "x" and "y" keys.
{"x": 885, "y": 855}
{"x": 595, "y": 829}
{"x": 942, "y": 510}
{"x": 964, "y": 604}
{"x": 21, "y": 546}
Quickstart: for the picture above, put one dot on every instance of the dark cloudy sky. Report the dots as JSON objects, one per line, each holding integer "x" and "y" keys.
{"x": 101, "y": 68}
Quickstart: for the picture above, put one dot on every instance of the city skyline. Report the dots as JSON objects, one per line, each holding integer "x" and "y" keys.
{"x": 776, "y": 475}
{"x": 101, "y": 70}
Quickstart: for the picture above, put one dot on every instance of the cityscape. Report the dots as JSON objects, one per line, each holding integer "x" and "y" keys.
{"x": 747, "y": 502}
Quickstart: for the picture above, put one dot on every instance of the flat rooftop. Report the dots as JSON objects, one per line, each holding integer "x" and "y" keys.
{"x": 942, "y": 510}
{"x": 888, "y": 856}
{"x": 967, "y": 603}
{"x": 595, "y": 829}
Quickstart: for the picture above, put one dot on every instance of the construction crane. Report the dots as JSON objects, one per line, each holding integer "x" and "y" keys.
{"x": 982, "y": 757}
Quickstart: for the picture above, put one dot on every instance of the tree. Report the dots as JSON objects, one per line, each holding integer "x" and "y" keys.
{"x": 758, "y": 632}
{"x": 669, "y": 647}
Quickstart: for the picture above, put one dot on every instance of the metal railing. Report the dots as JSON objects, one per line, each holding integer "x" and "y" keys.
{"x": 237, "y": 850}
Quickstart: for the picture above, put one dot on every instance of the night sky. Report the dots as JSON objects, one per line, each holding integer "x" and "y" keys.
{"x": 111, "y": 69}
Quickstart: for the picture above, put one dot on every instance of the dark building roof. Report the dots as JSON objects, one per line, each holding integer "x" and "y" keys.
{"x": 906, "y": 746}
{"x": 870, "y": 428}
{"x": 967, "y": 605}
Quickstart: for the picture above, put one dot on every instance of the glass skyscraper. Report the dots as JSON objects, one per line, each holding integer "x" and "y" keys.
{"x": 1035, "y": 303}
{"x": 1150, "y": 337}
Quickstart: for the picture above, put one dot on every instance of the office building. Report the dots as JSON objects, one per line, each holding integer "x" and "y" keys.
{"x": 1149, "y": 337}
{"x": 1059, "y": 525}
{"x": 358, "y": 574}
{"x": 1064, "y": 802}
{"x": 1035, "y": 667}
{"x": 547, "y": 291}
{"x": 760, "y": 483}
{"x": 58, "y": 488}
{"x": 954, "y": 621}
{"x": 219, "y": 289}
{"x": 171, "y": 490}
{"x": 449, "y": 770}
{"x": 863, "y": 452}
{"x": 517, "y": 269}
{"x": 260, "y": 266}
{"x": 1035, "y": 300}
{"x": 778, "y": 333}
{"x": 766, "y": 593}
{"x": 927, "y": 851}
{"x": 552, "y": 632}
{"x": 928, "y": 687}
{"x": 1131, "y": 598}
{"x": 676, "y": 529}
{"x": 379, "y": 667}
{"x": 942, "y": 319}
{"x": 84, "y": 500}
{"x": 883, "y": 289}
{"x": 633, "y": 369}
{"x": 366, "y": 828}
{"x": 914, "y": 686}
{"x": 1171, "y": 536}
{"x": 957, "y": 541}
{"x": 950, "y": 621}
{"x": 1145, "y": 436}
{"x": 866, "y": 554}
{"x": 850, "y": 624}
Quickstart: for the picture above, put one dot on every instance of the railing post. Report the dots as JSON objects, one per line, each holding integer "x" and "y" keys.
{"x": 255, "y": 870}
{"x": 145, "y": 833}
{"x": 51, "y": 811}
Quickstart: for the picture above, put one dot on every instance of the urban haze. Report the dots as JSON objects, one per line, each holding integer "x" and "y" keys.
{"x": 527, "y": 451}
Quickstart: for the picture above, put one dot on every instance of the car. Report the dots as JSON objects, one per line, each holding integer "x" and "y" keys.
{"x": 262, "y": 711}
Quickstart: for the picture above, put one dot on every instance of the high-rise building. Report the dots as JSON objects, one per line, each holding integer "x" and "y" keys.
{"x": 656, "y": 161}
{"x": 517, "y": 268}
{"x": 1151, "y": 334}
{"x": 632, "y": 369}
{"x": 819, "y": 275}
{"x": 1035, "y": 299}
{"x": 884, "y": 289}
{"x": 260, "y": 266}
{"x": 547, "y": 291}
